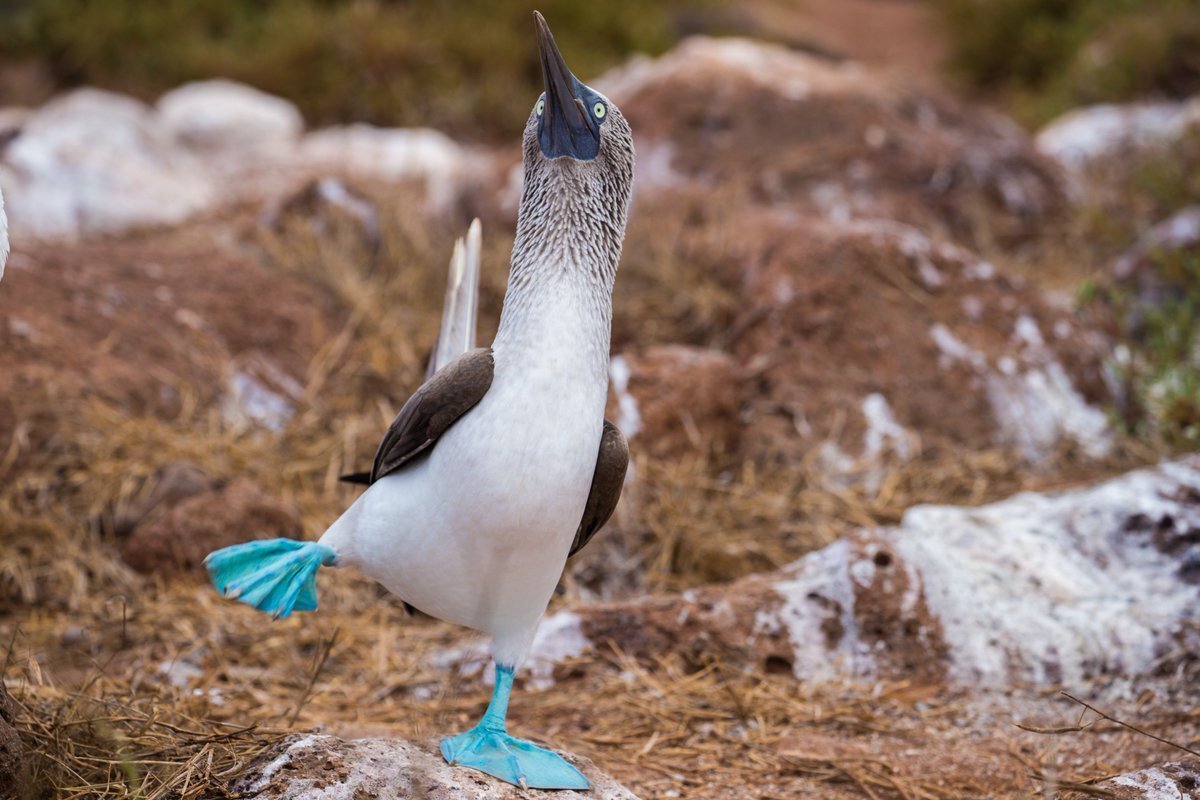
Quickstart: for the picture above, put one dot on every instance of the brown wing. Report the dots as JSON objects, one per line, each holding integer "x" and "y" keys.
{"x": 437, "y": 405}
{"x": 607, "y": 481}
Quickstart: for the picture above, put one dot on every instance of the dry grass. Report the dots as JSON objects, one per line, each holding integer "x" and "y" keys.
{"x": 93, "y": 745}
{"x": 138, "y": 687}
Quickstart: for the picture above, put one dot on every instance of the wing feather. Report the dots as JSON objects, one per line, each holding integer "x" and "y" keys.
{"x": 440, "y": 402}
{"x": 607, "y": 482}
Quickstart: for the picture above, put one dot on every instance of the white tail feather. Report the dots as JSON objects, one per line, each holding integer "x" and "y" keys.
{"x": 457, "y": 334}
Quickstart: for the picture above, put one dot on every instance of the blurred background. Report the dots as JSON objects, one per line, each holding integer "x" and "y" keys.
{"x": 434, "y": 64}
{"x": 881, "y": 253}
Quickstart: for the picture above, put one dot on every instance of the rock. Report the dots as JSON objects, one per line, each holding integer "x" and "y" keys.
{"x": 862, "y": 331}
{"x": 92, "y": 162}
{"x": 1089, "y": 136}
{"x": 1001, "y": 595}
{"x": 312, "y": 766}
{"x": 674, "y": 398}
{"x": 395, "y": 154}
{"x": 777, "y": 127}
{"x": 220, "y": 115}
{"x": 1121, "y": 160}
{"x": 1174, "y": 780}
{"x": 14, "y": 769}
{"x": 180, "y": 539}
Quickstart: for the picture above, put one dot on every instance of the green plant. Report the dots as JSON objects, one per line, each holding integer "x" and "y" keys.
{"x": 1050, "y": 55}
{"x": 1162, "y": 372}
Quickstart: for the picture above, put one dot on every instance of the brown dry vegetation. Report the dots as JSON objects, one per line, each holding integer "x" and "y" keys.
{"x": 152, "y": 686}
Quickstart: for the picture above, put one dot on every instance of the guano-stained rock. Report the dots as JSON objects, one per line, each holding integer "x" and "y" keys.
{"x": 322, "y": 767}
{"x": 1086, "y": 136}
{"x": 1174, "y": 780}
{"x": 1037, "y": 589}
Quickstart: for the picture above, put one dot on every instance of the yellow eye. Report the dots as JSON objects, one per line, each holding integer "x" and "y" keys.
{"x": 599, "y": 110}
{"x": 541, "y": 104}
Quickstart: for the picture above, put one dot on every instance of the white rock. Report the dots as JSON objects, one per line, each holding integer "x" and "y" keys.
{"x": 393, "y": 154}
{"x": 97, "y": 162}
{"x": 1087, "y": 135}
{"x": 1176, "y": 780}
{"x": 1041, "y": 589}
{"x": 1049, "y": 588}
{"x": 220, "y": 115}
{"x": 322, "y": 767}
{"x": 94, "y": 162}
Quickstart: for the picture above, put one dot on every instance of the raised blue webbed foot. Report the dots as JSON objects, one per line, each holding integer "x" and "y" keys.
{"x": 488, "y": 748}
{"x": 510, "y": 759}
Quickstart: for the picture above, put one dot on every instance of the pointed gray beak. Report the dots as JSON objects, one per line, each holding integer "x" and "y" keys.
{"x": 565, "y": 127}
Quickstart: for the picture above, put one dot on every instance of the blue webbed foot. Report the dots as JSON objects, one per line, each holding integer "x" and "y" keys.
{"x": 510, "y": 759}
{"x": 277, "y": 576}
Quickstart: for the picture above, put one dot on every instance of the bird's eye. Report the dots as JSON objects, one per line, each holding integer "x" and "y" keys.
{"x": 599, "y": 110}
{"x": 541, "y": 104}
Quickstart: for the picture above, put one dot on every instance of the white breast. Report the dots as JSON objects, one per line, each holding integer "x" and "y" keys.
{"x": 478, "y": 533}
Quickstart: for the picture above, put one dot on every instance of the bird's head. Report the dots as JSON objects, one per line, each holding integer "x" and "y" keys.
{"x": 574, "y": 129}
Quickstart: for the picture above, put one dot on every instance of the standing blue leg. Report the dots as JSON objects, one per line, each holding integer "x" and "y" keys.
{"x": 488, "y": 748}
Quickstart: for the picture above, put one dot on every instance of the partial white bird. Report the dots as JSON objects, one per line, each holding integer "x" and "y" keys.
{"x": 502, "y": 464}
{"x": 3, "y": 237}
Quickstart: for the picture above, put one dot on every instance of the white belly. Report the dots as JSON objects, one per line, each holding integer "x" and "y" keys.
{"x": 478, "y": 533}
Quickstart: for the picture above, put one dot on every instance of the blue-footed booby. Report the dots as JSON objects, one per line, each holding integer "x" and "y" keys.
{"x": 501, "y": 465}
